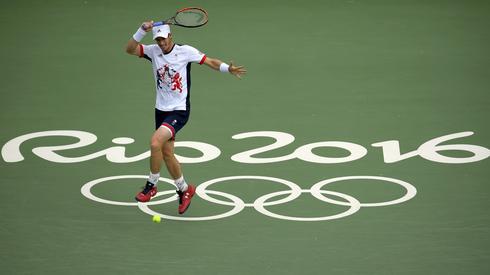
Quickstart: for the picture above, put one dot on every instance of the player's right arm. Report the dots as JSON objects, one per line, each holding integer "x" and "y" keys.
{"x": 133, "y": 45}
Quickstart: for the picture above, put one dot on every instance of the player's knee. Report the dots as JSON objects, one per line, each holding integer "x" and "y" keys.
{"x": 156, "y": 144}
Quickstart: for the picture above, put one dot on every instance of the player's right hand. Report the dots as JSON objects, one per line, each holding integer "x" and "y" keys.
{"x": 147, "y": 26}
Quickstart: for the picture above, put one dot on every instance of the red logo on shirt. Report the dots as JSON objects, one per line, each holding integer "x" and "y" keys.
{"x": 169, "y": 77}
{"x": 176, "y": 82}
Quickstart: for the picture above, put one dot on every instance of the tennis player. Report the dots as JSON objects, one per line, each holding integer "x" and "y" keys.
{"x": 171, "y": 69}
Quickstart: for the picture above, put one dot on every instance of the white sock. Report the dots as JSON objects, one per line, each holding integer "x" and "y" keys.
{"x": 153, "y": 178}
{"x": 181, "y": 184}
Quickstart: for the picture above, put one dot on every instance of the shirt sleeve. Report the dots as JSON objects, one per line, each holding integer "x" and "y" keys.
{"x": 194, "y": 56}
{"x": 146, "y": 51}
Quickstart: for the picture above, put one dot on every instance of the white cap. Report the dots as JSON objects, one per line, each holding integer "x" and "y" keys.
{"x": 161, "y": 31}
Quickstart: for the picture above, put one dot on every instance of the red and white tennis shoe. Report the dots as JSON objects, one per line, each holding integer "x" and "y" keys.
{"x": 185, "y": 198}
{"x": 148, "y": 192}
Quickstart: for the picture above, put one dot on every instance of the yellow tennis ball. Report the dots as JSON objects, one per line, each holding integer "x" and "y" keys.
{"x": 157, "y": 219}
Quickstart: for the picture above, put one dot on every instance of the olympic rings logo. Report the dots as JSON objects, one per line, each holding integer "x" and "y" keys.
{"x": 260, "y": 203}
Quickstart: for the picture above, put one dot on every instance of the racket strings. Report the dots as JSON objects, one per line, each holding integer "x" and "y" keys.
{"x": 191, "y": 17}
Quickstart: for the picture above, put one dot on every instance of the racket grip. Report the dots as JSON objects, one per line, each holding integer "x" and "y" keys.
{"x": 159, "y": 23}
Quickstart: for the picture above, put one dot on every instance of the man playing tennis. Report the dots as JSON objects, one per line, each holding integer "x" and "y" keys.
{"x": 171, "y": 70}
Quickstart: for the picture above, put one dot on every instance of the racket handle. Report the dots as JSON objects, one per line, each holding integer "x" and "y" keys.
{"x": 159, "y": 23}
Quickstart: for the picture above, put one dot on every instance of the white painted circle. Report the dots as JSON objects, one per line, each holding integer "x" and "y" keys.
{"x": 86, "y": 190}
{"x": 295, "y": 190}
{"x": 352, "y": 202}
{"x": 411, "y": 190}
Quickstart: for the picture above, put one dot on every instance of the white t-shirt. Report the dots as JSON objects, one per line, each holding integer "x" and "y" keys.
{"x": 172, "y": 74}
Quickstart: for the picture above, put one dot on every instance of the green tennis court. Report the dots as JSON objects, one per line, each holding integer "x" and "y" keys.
{"x": 357, "y": 143}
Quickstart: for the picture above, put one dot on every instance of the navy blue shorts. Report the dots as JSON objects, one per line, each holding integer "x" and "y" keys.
{"x": 173, "y": 120}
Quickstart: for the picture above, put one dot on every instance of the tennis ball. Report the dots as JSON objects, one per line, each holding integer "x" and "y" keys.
{"x": 157, "y": 219}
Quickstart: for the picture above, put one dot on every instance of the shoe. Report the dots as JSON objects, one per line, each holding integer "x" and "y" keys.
{"x": 185, "y": 198}
{"x": 148, "y": 192}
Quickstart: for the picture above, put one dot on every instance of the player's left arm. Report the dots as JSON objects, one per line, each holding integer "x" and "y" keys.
{"x": 215, "y": 64}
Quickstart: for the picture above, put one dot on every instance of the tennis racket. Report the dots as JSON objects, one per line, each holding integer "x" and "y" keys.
{"x": 187, "y": 17}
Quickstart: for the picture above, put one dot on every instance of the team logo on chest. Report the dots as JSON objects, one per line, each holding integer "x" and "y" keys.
{"x": 168, "y": 77}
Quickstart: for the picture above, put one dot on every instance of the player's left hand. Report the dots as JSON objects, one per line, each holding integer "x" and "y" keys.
{"x": 237, "y": 71}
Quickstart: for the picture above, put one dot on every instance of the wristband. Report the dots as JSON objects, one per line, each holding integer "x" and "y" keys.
{"x": 224, "y": 68}
{"x": 139, "y": 34}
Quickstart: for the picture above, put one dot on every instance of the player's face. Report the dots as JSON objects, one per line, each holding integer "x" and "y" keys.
{"x": 165, "y": 43}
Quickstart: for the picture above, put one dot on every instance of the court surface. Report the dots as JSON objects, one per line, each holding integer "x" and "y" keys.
{"x": 374, "y": 114}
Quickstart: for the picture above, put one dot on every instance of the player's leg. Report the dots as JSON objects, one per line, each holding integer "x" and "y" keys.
{"x": 174, "y": 123}
{"x": 173, "y": 165}
{"x": 184, "y": 190}
{"x": 159, "y": 138}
